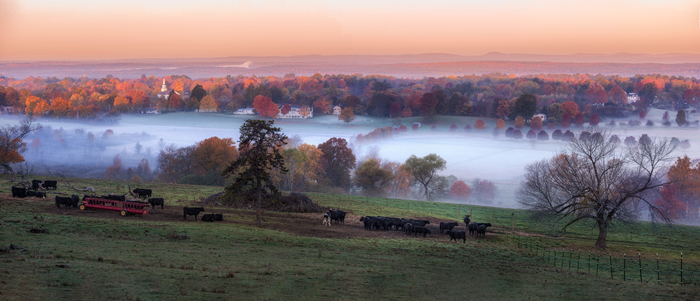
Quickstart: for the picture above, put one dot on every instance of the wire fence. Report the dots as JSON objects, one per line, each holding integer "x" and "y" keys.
{"x": 628, "y": 267}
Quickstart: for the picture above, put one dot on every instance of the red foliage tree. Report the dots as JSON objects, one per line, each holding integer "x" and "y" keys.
{"x": 115, "y": 171}
{"x": 669, "y": 203}
{"x": 536, "y": 124}
{"x": 337, "y": 160}
{"x": 460, "y": 190}
{"x": 479, "y": 124}
{"x": 565, "y": 121}
{"x": 285, "y": 109}
{"x": 531, "y": 135}
{"x": 642, "y": 114}
{"x": 265, "y": 106}
{"x": 414, "y": 127}
{"x": 403, "y": 128}
{"x": 395, "y": 110}
{"x": 579, "y": 120}
{"x": 453, "y": 127}
{"x": 594, "y": 120}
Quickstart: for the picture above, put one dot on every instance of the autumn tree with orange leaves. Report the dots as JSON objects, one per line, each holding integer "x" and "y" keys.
{"x": 265, "y": 107}
{"x": 11, "y": 145}
{"x": 460, "y": 190}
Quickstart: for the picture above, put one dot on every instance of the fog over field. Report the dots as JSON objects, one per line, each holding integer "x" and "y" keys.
{"x": 469, "y": 155}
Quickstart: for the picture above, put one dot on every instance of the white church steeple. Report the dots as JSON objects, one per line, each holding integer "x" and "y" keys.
{"x": 164, "y": 88}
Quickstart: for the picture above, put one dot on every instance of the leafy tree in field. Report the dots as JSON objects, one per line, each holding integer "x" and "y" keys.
{"x": 208, "y": 104}
{"x": 536, "y": 124}
{"x": 484, "y": 191}
{"x": 265, "y": 107}
{"x": 555, "y": 110}
{"x": 198, "y": 92}
{"x": 460, "y": 190}
{"x": 500, "y": 124}
{"x": 346, "y": 115}
{"x": 372, "y": 178}
{"x": 594, "y": 120}
{"x": 285, "y": 109}
{"x": 680, "y": 118}
{"x": 618, "y": 96}
{"x": 525, "y": 106}
{"x": 579, "y": 120}
{"x": 501, "y": 108}
{"x": 565, "y": 121}
{"x": 479, "y": 124}
{"x": 424, "y": 171}
{"x": 395, "y": 110}
{"x": 427, "y": 105}
{"x": 597, "y": 180}
{"x": 519, "y": 122}
{"x": 60, "y": 107}
{"x": 260, "y": 145}
{"x": 338, "y": 160}
{"x": 12, "y": 145}
{"x": 571, "y": 108}
{"x": 115, "y": 171}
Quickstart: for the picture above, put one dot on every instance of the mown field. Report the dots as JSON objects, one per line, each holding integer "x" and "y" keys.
{"x": 85, "y": 255}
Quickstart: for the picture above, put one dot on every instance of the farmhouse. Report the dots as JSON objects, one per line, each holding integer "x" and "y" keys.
{"x": 150, "y": 111}
{"x": 632, "y": 98}
{"x": 336, "y": 110}
{"x": 245, "y": 111}
{"x": 542, "y": 117}
{"x": 297, "y": 113}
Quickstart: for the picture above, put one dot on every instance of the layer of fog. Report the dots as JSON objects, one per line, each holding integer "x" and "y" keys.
{"x": 469, "y": 155}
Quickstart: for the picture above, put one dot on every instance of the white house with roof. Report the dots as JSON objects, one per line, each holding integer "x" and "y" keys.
{"x": 542, "y": 117}
{"x": 336, "y": 110}
{"x": 296, "y": 113}
{"x": 632, "y": 98}
{"x": 245, "y": 111}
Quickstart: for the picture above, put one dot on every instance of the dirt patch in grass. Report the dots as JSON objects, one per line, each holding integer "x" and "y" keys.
{"x": 303, "y": 224}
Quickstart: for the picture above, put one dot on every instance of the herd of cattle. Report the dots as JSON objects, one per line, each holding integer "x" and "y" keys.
{"x": 416, "y": 227}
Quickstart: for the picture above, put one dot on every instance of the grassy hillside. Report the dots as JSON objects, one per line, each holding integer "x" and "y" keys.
{"x": 93, "y": 255}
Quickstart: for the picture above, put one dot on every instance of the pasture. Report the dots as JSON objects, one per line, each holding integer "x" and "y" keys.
{"x": 100, "y": 255}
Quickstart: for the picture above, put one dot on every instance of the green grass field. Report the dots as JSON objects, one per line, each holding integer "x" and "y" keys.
{"x": 133, "y": 258}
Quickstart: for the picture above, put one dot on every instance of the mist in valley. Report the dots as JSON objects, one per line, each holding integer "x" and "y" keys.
{"x": 78, "y": 149}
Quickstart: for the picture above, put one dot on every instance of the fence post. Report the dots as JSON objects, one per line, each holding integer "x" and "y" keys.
{"x": 658, "y": 276}
{"x": 512, "y": 226}
{"x": 611, "y": 270}
{"x": 578, "y": 262}
{"x": 597, "y": 265}
{"x": 589, "y": 261}
{"x": 459, "y": 212}
{"x": 571, "y": 252}
{"x": 470, "y": 213}
{"x": 493, "y": 218}
{"x": 681, "y": 268}
{"x": 640, "y": 266}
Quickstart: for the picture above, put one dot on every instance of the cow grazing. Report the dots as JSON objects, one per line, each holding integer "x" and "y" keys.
{"x": 19, "y": 192}
{"x": 36, "y": 184}
{"x": 51, "y": 185}
{"x": 422, "y": 230}
{"x": 142, "y": 193}
{"x": 337, "y": 215}
{"x": 467, "y": 220}
{"x": 191, "y": 211}
{"x": 67, "y": 202}
{"x": 156, "y": 202}
{"x": 207, "y": 217}
{"x": 327, "y": 219}
{"x": 37, "y": 194}
{"x": 447, "y": 226}
{"x": 457, "y": 235}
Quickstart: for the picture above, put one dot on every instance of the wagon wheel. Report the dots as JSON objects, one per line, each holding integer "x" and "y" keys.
{"x": 123, "y": 212}
{"x": 82, "y": 207}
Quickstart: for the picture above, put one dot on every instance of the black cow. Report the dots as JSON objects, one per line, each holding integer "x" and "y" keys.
{"x": 67, "y": 202}
{"x": 51, "y": 184}
{"x": 422, "y": 230}
{"x": 481, "y": 229}
{"x": 467, "y": 220}
{"x": 457, "y": 235}
{"x": 219, "y": 217}
{"x": 208, "y": 217}
{"x": 472, "y": 228}
{"x": 408, "y": 227}
{"x": 337, "y": 215}
{"x": 191, "y": 211}
{"x": 36, "y": 184}
{"x": 19, "y": 192}
{"x": 37, "y": 194}
{"x": 142, "y": 193}
{"x": 447, "y": 226}
{"x": 156, "y": 202}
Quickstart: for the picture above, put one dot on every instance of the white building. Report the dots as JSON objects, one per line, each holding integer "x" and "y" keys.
{"x": 295, "y": 113}
{"x": 336, "y": 110}
{"x": 245, "y": 111}
{"x": 164, "y": 92}
{"x": 542, "y": 117}
{"x": 632, "y": 98}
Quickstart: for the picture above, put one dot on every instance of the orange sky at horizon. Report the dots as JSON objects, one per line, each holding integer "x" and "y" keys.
{"x": 81, "y": 30}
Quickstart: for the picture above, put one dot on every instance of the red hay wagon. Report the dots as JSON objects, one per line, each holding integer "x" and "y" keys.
{"x": 124, "y": 207}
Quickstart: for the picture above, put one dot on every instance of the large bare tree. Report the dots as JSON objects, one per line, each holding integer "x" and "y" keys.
{"x": 597, "y": 179}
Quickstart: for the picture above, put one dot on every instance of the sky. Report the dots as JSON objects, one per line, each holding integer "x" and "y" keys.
{"x": 128, "y": 29}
